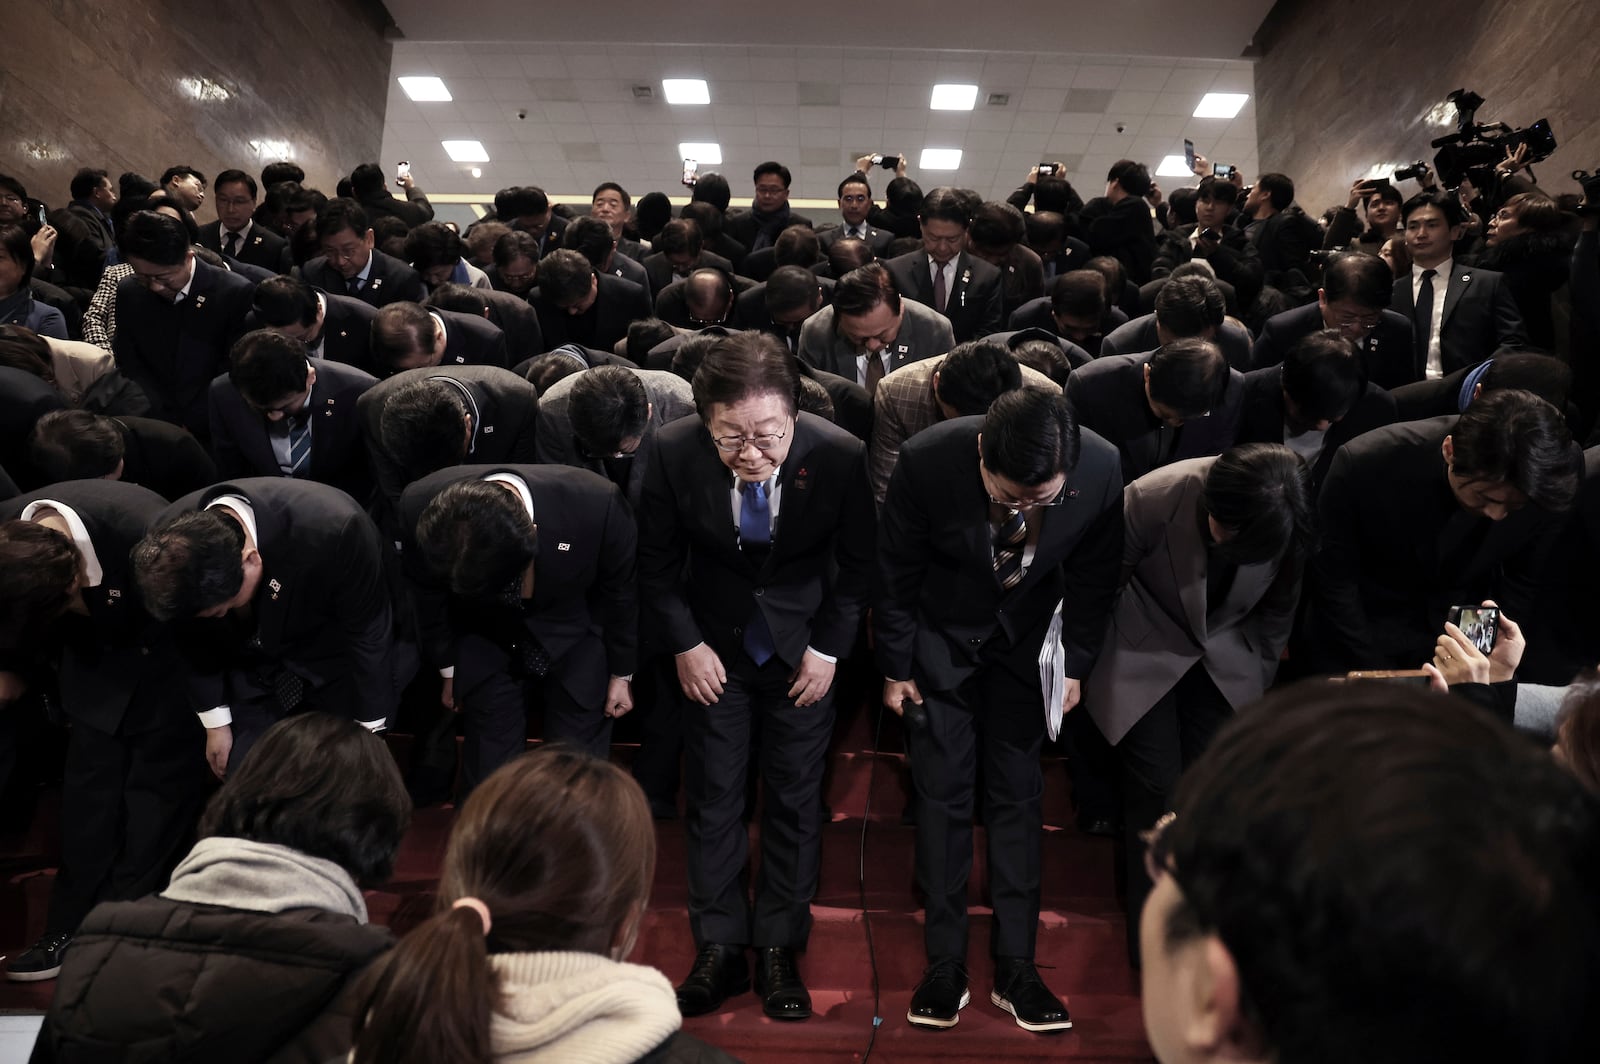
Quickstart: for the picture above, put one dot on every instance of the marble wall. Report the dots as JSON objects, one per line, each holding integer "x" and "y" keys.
{"x": 144, "y": 84}
{"x": 1342, "y": 89}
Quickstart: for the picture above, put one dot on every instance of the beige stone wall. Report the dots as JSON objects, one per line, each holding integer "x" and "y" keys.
{"x": 1341, "y": 88}
{"x": 145, "y": 84}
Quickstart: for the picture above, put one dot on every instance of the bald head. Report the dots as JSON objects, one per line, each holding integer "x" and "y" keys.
{"x": 708, "y": 296}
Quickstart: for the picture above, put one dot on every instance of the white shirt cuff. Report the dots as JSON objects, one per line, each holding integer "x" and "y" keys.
{"x": 374, "y": 725}
{"x": 831, "y": 660}
{"x": 220, "y": 717}
{"x": 448, "y": 672}
{"x": 691, "y": 650}
{"x": 625, "y": 679}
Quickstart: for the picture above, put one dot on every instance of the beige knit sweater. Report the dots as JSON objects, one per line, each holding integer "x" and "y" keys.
{"x": 579, "y": 1008}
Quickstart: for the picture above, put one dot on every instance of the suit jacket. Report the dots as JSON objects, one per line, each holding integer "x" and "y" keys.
{"x": 973, "y": 304}
{"x": 617, "y": 303}
{"x": 1039, "y": 314}
{"x": 258, "y": 246}
{"x": 1285, "y": 242}
{"x": 347, "y": 332}
{"x": 1381, "y": 594}
{"x": 103, "y": 656}
{"x": 626, "y": 269}
{"x": 1123, "y": 231}
{"x": 505, "y": 418}
{"x": 1076, "y": 356}
{"x": 389, "y": 280}
{"x": 413, "y": 210}
{"x": 1388, "y": 352}
{"x": 1563, "y": 632}
{"x": 670, "y": 398}
{"x": 659, "y": 271}
{"x": 877, "y": 239}
{"x": 1261, "y": 419}
{"x": 1235, "y": 260}
{"x": 1480, "y": 316}
{"x": 811, "y": 586}
{"x": 515, "y": 317}
{"x": 585, "y": 608}
{"x": 173, "y": 351}
{"x": 322, "y": 608}
{"x": 83, "y": 238}
{"x": 471, "y": 341}
{"x": 241, "y": 438}
{"x": 1163, "y": 622}
{"x": 941, "y": 612}
{"x": 1108, "y": 396}
{"x": 923, "y": 334}
{"x": 1139, "y": 335}
{"x": 24, "y": 399}
{"x": 742, "y": 225}
{"x": 163, "y": 457}
{"x": 750, "y": 312}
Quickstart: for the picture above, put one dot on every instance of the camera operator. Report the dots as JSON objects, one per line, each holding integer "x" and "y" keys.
{"x": 1381, "y": 202}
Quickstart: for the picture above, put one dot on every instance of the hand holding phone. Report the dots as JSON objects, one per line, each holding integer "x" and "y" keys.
{"x": 691, "y": 172}
{"x": 402, "y": 171}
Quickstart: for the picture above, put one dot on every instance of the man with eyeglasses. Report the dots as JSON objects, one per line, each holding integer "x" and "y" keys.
{"x": 945, "y": 276}
{"x": 277, "y": 412}
{"x": 1354, "y": 299}
{"x": 869, "y": 331}
{"x": 333, "y": 327}
{"x": 579, "y": 305}
{"x": 351, "y": 265}
{"x": 769, "y": 212}
{"x": 855, "y": 203}
{"x": 235, "y": 233}
{"x": 755, "y": 560}
{"x": 988, "y": 524}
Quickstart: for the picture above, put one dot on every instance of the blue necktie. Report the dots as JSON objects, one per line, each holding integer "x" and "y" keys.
{"x": 299, "y": 446}
{"x": 755, "y": 529}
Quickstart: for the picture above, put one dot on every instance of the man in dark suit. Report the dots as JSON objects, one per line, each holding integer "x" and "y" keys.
{"x": 1187, "y": 307}
{"x": 80, "y": 445}
{"x": 1118, "y": 223}
{"x": 526, "y": 209}
{"x": 84, "y": 234}
{"x": 277, "y": 590}
{"x": 1544, "y": 375}
{"x": 131, "y": 785}
{"x": 1075, "y": 310}
{"x": 781, "y": 304}
{"x": 24, "y": 399}
{"x": 757, "y": 621}
{"x": 177, "y": 318}
{"x": 234, "y": 234}
{"x": 425, "y": 419}
{"x": 988, "y": 524}
{"x": 523, "y": 584}
{"x": 350, "y": 265}
{"x": 704, "y": 298}
{"x": 1425, "y": 515}
{"x": 509, "y": 313}
{"x": 577, "y": 305}
{"x": 593, "y": 239}
{"x": 870, "y": 331}
{"x": 369, "y": 188}
{"x": 333, "y": 327}
{"x": 409, "y": 336}
{"x": 278, "y": 413}
{"x": 679, "y": 251}
{"x": 944, "y": 276}
{"x": 855, "y": 203}
{"x": 1315, "y": 402}
{"x": 1354, "y": 299}
{"x": 611, "y": 204}
{"x": 769, "y": 212}
{"x": 711, "y": 217}
{"x": 1460, "y": 315}
{"x": 1283, "y": 235}
{"x": 1228, "y": 250}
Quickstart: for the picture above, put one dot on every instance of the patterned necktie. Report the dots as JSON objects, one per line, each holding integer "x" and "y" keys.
{"x": 232, "y": 250}
{"x": 526, "y": 650}
{"x": 874, "y": 371}
{"x": 755, "y": 529}
{"x": 1425, "y": 314}
{"x": 1010, "y": 536}
{"x": 299, "y": 446}
{"x": 940, "y": 294}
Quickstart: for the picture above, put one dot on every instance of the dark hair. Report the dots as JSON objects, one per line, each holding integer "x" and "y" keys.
{"x": 1188, "y": 375}
{"x": 1261, "y": 493}
{"x": 654, "y": 211}
{"x": 1578, "y": 729}
{"x": 366, "y": 180}
{"x": 1364, "y": 279}
{"x": 1380, "y": 862}
{"x": 520, "y": 201}
{"x": 423, "y": 427}
{"x": 1044, "y": 228}
{"x": 1532, "y": 371}
{"x": 1132, "y": 177}
{"x": 11, "y": 184}
{"x": 692, "y": 351}
{"x": 1187, "y": 306}
{"x": 560, "y": 848}
{"x": 283, "y": 301}
{"x": 38, "y": 567}
{"x": 189, "y": 563}
{"x": 22, "y": 348}
{"x": 481, "y": 237}
{"x": 708, "y": 295}
{"x": 19, "y": 246}
{"x": 1081, "y": 293}
{"x": 945, "y": 204}
{"x": 645, "y": 333}
{"x": 705, "y": 216}
{"x": 461, "y": 298}
{"x": 85, "y": 181}
{"x": 862, "y": 289}
{"x": 279, "y": 172}
{"x": 974, "y": 373}
{"x": 1116, "y": 277}
{"x": 1279, "y": 189}
{"x": 516, "y": 244}
{"x": 322, "y": 785}
{"x": 477, "y": 536}
{"x": 132, "y": 185}
{"x": 339, "y": 215}
{"x": 1217, "y": 190}
{"x": 681, "y": 236}
{"x": 770, "y": 167}
{"x": 400, "y": 331}
{"x": 1029, "y": 436}
{"x": 236, "y": 177}
{"x": 791, "y": 287}
{"x": 1043, "y": 356}
{"x": 710, "y": 188}
{"x": 848, "y": 253}
{"x": 268, "y": 367}
{"x": 544, "y": 370}
{"x": 155, "y": 238}
{"x": 1513, "y": 437}
{"x": 1384, "y": 192}
{"x": 589, "y": 237}
{"x": 433, "y": 244}
{"x": 607, "y": 405}
{"x": 744, "y": 365}
{"x": 903, "y": 196}
{"x": 1056, "y": 195}
{"x": 565, "y": 276}
{"x": 75, "y": 445}
{"x": 797, "y": 245}
{"x": 857, "y": 178}
{"x": 612, "y": 186}
{"x": 1323, "y": 374}
{"x": 997, "y": 226}
{"x": 1454, "y": 213}
{"x": 173, "y": 172}
{"x": 1536, "y": 211}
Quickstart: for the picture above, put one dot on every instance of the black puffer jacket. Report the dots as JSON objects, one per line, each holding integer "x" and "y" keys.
{"x": 1535, "y": 266}
{"x": 158, "y": 980}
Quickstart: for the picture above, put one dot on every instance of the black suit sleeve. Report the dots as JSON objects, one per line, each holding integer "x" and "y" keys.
{"x": 363, "y": 614}
{"x": 663, "y": 548}
{"x": 833, "y": 632}
{"x": 230, "y": 463}
{"x": 189, "y": 467}
{"x": 1091, "y": 576}
{"x": 1341, "y": 612}
{"x": 904, "y": 550}
{"x": 991, "y": 310}
{"x": 1509, "y": 331}
{"x": 618, "y": 587}
{"x": 1267, "y": 350}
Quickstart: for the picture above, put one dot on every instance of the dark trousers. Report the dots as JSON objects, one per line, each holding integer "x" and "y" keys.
{"x": 1153, "y": 754}
{"x": 494, "y": 704}
{"x": 1008, "y": 710}
{"x": 793, "y": 745}
{"x": 658, "y": 702}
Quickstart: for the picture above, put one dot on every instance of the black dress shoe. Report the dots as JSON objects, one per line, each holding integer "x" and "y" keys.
{"x": 1019, "y": 990}
{"x": 940, "y": 997}
{"x": 719, "y": 972}
{"x": 783, "y": 995}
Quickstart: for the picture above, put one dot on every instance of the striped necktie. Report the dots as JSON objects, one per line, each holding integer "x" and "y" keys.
{"x": 1010, "y": 536}
{"x": 299, "y": 446}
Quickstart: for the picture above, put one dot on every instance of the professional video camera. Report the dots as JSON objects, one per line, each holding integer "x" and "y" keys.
{"x": 1474, "y": 150}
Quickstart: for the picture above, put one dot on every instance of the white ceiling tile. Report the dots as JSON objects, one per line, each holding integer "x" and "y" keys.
{"x": 1136, "y": 103}
{"x": 862, "y": 134}
{"x": 511, "y": 90}
{"x": 1234, "y": 81}
{"x": 564, "y": 112}
{"x": 769, "y": 93}
{"x": 1049, "y": 72}
{"x": 779, "y": 68}
{"x": 986, "y": 142}
{"x": 604, "y": 114}
{"x": 1163, "y": 126}
{"x": 446, "y": 65}
{"x": 591, "y": 64}
{"x": 1097, "y": 77}
{"x": 855, "y": 95}
{"x": 1038, "y": 100}
{"x": 656, "y": 133}
{"x": 912, "y": 72}
{"x": 616, "y": 134}
{"x": 1175, "y": 103}
{"x": 733, "y": 114}
{"x": 906, "y": 117}
{"x": 942, "y": 122}
{"x": 1074, "y": 123}
{"x": 740, "y": 135}
{"x": 819, "y": 137}
{"x": 905, "y": 95}
{"x": 819, "y": 117}
{"x": 1191, "y": 80}
{"x": 1005, "y": 71}
{"x": 1035, "y": 121}
{"x": 1147, "y": 79}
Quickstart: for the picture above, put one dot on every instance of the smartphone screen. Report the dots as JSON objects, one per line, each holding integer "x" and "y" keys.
{"x": 1480, "y": 624}
{"x": 41, "y": 215}
{"x": 1188, "y": 153}
{"x": 401, "y": 171}
{"x": 1223, "y": 170}
{"x": 691, "y": 172}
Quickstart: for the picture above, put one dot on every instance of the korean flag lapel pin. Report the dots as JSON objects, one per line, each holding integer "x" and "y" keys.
{"x": 276, "y": 587}
{"x": 377, "y": 283}
{"x": 199, "y": 301}
{"x": 256, "y": 241}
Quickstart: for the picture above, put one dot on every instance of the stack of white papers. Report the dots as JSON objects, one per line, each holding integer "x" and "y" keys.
{"x": 1053, "y": 675}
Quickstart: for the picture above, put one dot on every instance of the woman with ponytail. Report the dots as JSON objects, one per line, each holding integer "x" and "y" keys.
{"x": 543, "y": 890}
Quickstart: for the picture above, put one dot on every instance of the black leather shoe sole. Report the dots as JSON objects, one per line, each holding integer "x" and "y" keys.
{"x": 1046, "y": 1027}
{"x": 700, "y": 1000}
{"x": 796, "y": 1010}
{"x": 939, "y": 1023}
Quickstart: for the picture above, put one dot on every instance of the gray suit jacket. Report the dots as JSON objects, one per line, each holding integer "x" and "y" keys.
{"x": 1162, "y": 624}
{"x": 670, "y": 399}
{"x": 924, "y": 333}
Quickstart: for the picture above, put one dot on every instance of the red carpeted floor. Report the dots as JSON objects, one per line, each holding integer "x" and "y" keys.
{"x": 1081, "y": 950}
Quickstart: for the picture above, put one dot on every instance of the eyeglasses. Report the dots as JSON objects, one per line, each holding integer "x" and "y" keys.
{"x": 10, "y": 197}
{"x": 1019, "y": 504}
{"x": 593, "y": 457}
{"x": 1158, "y": 847}
{"x": 1351, "y": 325}
{"x": 734, "y": 444}
{"x": 770, "y": 190}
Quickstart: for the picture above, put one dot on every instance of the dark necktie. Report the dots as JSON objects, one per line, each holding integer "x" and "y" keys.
{"x": 232, "y": 250}
{"x": 755, "y": 529}
{"x": 855, "y": 231}
{"x": 1424, "y": 319}
{"x": 526, "y": 650}
{"x": 874, "y": 371}
{"x": 354, "y": 285}
{"x": 299, "y": 446}
{"x": 940, "y": 294}
{"x": 1010, "y": 537}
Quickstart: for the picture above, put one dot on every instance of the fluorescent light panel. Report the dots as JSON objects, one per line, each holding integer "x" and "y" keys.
{"x": 686, "y": 90}
{"x": 940, "y": 159}
{"x": 426, "y": 90}
{"x": 953, "y": 98}
{"x": 465, "y": 151}
{"x": 710, "y": 154}
{"x": 1174, "y": 166}
{"x": 1220, "y": 104}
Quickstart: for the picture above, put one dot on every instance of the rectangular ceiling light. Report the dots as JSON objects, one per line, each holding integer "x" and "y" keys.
{"x": 465, "y": 151}
{"x": 686, "y": 90}
{"x": 709, "y": 154}
{"x": 426, "y": 90}
{"x": 954, "y": 98}
{"x": 1220, "y": 104}
{"x": 940, "y": 159}
{"x": 1174, "y": 166}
